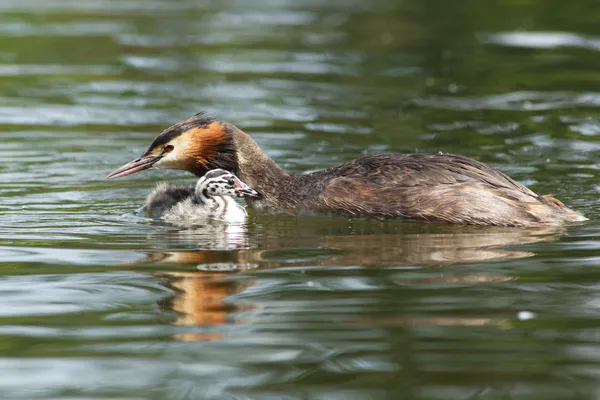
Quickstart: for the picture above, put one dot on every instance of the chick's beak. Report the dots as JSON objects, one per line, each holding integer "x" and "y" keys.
{"x": 243, "y": 190}
{"x": 134, "y": 166}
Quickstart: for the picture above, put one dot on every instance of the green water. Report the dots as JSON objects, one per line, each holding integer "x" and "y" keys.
{"x": 97, "y": 302}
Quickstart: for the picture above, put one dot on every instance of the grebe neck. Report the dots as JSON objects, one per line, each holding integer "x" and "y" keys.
{"x": 254, "y": 167}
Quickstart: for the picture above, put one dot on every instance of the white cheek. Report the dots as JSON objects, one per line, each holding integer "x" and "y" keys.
{"x": 166, "y": 162}
{"x": 159, "y": 164}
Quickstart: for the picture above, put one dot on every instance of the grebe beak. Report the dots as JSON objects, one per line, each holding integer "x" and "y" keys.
{"x": 134, "y": 166}
{"x": 243, "y": 190}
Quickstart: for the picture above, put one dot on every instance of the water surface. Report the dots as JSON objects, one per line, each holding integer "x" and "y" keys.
{"x": 99, "y": 302}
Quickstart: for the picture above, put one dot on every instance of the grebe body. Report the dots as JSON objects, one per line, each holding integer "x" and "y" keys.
{"x": 429, "y": 187}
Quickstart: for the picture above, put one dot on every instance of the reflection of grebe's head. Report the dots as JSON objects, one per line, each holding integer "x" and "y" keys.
{"x": 218, "y": 182}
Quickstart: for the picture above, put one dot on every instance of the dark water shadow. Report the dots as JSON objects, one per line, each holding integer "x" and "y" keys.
{"x": 280, "y": 242}
{"x": 201, "y": 279}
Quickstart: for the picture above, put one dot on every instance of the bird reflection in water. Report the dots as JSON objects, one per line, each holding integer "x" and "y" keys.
{"x": 201, "y": 295}
{"x": 200, "y": 300}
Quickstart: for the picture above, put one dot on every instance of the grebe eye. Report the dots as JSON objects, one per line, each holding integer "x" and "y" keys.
{"x": 230, "y": 182}
{"x": 168, "y": 148}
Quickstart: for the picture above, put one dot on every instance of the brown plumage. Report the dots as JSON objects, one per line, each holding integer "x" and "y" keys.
{"x": 430, "y": 187}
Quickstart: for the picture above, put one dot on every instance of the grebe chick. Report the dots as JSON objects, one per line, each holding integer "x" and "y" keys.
{"x": 427, "y": 187}
{"x": 212, "y": 198}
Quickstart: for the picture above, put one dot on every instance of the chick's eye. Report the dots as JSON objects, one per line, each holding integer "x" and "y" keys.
{"x": 168, "y": 148}
{"x": 230, "y": 182}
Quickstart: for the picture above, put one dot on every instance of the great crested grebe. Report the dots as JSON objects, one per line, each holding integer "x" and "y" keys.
{"x": 212, "y": 198}
{"x": 430, "y": 187}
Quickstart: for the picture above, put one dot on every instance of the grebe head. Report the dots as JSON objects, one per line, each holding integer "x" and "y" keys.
{"x": 218, "y": 182}
{"x": 197, "y": 144}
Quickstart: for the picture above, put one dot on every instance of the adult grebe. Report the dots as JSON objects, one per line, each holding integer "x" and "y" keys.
{"x": 430, "y": 187}
{"x": 212, "y": 198}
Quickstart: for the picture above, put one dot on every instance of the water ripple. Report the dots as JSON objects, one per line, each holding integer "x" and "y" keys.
{"x": 515, "y": 101}
{"x": 542, "y": 40}
{"x": 99, "y": 301}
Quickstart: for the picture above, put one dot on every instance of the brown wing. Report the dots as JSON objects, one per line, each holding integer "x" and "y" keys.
{"x": 428, "y": 187}
{"x": 408, "y": 170}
